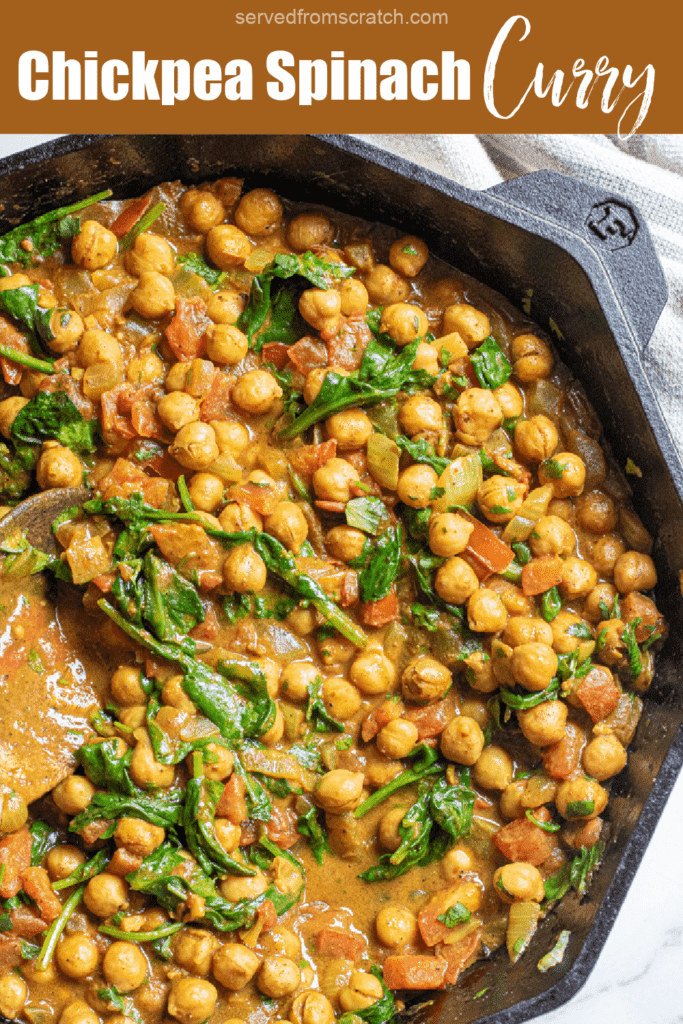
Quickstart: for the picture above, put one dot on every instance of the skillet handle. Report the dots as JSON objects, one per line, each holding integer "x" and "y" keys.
{"x": 614, "y": 230}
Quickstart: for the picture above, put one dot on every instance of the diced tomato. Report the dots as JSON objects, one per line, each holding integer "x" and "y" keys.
{"x": 458, "y": 955}
{"x": 232, "y": 804}
{"x": 488, "y": 555}
{"x": 330, "y": 506}
{"x": 281, "y": 827}
{"x": 598, "y": 693}
{"x": 540, "y": 574}
{"x": 307, "y": 354}
{"x": 378, "y": 613}
{"x": 346, "y": 347}
{"x": 561, "y": 760}
{"x": 208, "y": 629}
{"x": 129, "y": 217}
{"x": 340, "y": 945}
{"x": 380, "y": 716}
{"x": 349, "y": 589}
{"x": 125, "y": 479}
{"x": 522, "y": 840}
{"x": 10, "y": 952}
{"x": 104, "y": 582}
{"x": 113, "y": 422}
{"x": 263, "y": 500}
{"x": 144, "y": 419}
{"x": 27, "y": 923}
{"x": 415, "y": 972}
{"x": 122, "y": 862}
{"x": 267, "y": 915}
{"x": 93, "y": 832}
{"x": 216, "y": 402}
{"x": 430, "y": 721}
{"x": 12, "y": 338}
{"x": 36, "y": 884}
{"x": 310, "y": 457}
{"x": 276, "y": 353}
{"x": 185, "y": 333}
{"x": 15, "y": 855}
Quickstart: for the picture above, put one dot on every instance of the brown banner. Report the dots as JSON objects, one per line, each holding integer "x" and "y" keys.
{"x": 305, "y": 65}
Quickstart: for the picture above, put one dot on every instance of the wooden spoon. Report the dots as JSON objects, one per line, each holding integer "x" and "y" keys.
{"x": 52, "y": 676}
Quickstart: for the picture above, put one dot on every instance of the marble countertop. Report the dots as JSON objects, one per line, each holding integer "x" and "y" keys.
{"x": 636, "y": 979}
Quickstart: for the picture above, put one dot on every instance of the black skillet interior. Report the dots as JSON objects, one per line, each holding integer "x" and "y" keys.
{"x": 587, "y": 259}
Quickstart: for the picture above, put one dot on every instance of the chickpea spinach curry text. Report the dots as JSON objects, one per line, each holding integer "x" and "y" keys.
{"x": 372, "y": 596}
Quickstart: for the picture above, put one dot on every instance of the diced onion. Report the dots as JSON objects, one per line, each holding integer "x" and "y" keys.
{"x": 522, "y": 924}
{"x": 383, "y": 457}
{"x": 533, "y": 508}
{"x": 101, "y": 377}
{"x": 460, "y": 481}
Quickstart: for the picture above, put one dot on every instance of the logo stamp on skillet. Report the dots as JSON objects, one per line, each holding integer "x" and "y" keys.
{"x": 613, "y": 223}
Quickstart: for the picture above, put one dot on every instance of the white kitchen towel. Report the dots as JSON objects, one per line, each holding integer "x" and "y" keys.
{"x": 647, "y": 169}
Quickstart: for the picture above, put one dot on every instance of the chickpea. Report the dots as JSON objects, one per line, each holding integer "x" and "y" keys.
{"x": 510, "y": 399}
{"x": 192, "y": 1000}
{"x": 320, "y": 307}
{"x": 309, "y": 229}
{"x": 193, "y": 950}
{"x": 580, "y": 798}
{"x": 544, "y": 724}
{"x": 604, "y": 757}
{"x": 77, "y": 955}
{"x": 350, "y": 429}
{"x": 227, "y": 246}
{"x": 225, "y": 344}
{"x": 149, "y": 253}
{"x": 66, "y": 327}
{"x": 404, "y": 322}
{"x": 13, "y": 995}
{"x": 449, "y": 534}
{"x": 255, "y": 392}
{"x": 58, "y": 467}
{"x": 471, "y": 324}
{"x": 62, "y": 860}
{"x": 194, "y": 446}
{"x": 602, "y": 593}
{"x": 139, "y": 837}
{"x": 427, "y": 358}
{"x": 8, "y": 284}
{"x": 362, "y": 991}
{"x": 494, "y": 768}
{"x": 276, "y": 731}
{"x": 595, "y": 512}
{"x": 612, "y": 649}
{"x": 125, "y": 966}
{"x": 340, "y": 791}
{"x": 144, "y": 369}
{"x": 314, "y": 380}
{"x": 415, "y": 485}
{"x": 408, "y": 255}
{"x": 332, "y": 482}
{"x": 486, "y": 612}
{"x": 297, "y": 678}
{"x": 552, "y": 536}
{"x": 94, "y": 246}
{"x": 345, "y": 543}
{"x": 397, "y": 738}
{"x": 145, "y": 770}
{"x": 535, "y": 439}
{"x": 226, "y": 306}
{"x": 9, "y": 410}
{"x": 354, "y": 297}
{"x": 425, "y": 679}
{"x": 420, "y": 414}
{"x": 278, "y": 976}
{"x": 235, "y": 888}
{"x": 283, "y": 941}
{"x": 341, "y": 699}
{"x": 578, "y": 578}
{"x": 106, "y": 894}
{"x": 372, "y": 672}
{"x": 519, "y": 881}
{"x": 605, "y": 553}
{"x": 476, "y": 415}
{"x": 534, "y": 665}
{"x": 78, "y": 1012}
{"x": 234, "y": 965}
{"x": 396, "y": 926}
{"x": 566, "y": 472}
{"x": 288, "y": 524}
{"x": 154, "y": 295}
{"x": 244, "y": 570}
{"x": 311, "y": 1008}
{"x": 206, "y": 491}
{"x": 385, "y": 286}
{"x": 634, "y": 570}
{"x": 524, "y": 629}
{"x": 227, "y": 834}
{"x": 455, "y": 863}
{"x": 388, "y": 832}
{"x": 564, "y": 628}
{"x": 479, "y": 672}
{"x": 259, "y": 212}
{"x": 531, "y": 358}
{"x": 500, "y": 498}
{"x": 74, "y": 794}
{"x": 236, "y": 518}
{"x": 462, "y": 740}
{"x": 202, "y": 210}
{"x": 231, "y": 437}
{"x": 455, "y": 581}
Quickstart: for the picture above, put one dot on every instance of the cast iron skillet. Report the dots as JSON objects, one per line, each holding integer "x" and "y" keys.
{"x": 586, "y": 259}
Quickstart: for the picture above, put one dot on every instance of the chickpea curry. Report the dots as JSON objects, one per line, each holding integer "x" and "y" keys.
{"x": 359, "y": 589}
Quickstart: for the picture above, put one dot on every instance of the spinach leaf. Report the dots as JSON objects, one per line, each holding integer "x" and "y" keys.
{"x": 382, "y": 374}
{"x": 416, "y": 521}
{"x": 452, "y": 806}
{"x": 44, "y": 839}
{"x": 551, "y": 604}
{"x": 84, "y": 872}
{"x": 21, "y": 305}
{"x": 426, "y": 763}
{"x": 53, "y": 416}
{"x": 575, "y": 873}
{"x": 366, "y": 514}
{"x": 425, "y": 618}
{"x": 164, "y": 810}
{"x": 380, "y": 1012}
{"x": 455, "y": 915}
{"x": 522, "y": 702}
{"x": 310, "y": 826}
{"x": 172, "y": 606}
{"x": 316, "y": 712}
{"x": 198, "y": 265}
{"x": 490, "y": 365}
{"x": 421, "y": 451}
{"x": 16, "y": 471}
{"x": 377, "y": 578}
{"x": 628, "y": 637}
{"x": 105, "y": 768}
{"x": 46, "y": 233}
{"x": 201, "y": 799}
{"x": 415, "y": 831}
{"x": 124, "y": 1004}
